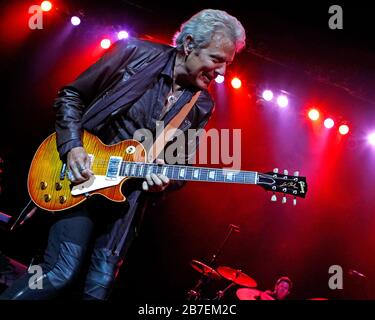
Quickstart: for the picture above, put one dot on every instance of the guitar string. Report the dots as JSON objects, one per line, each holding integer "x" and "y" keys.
{"x": 241, "y": 175}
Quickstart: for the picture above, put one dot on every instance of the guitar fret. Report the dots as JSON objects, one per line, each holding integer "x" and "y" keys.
{"x": 240, "y": 177}
{"x": 248, "y": 177}
{"x": 176, "y": 171}
{"x": 149, "y": 170}
{"x": 159, "y": 169}
{"x": 204, "y": 175}
{"x": 127, "y": 167}
{"x": 189, "y": 174}
{"x": 133, "y": 169}
{"x": 141, "y": 170}
{"x": 152, "y": 170}
{"x": 220, "y": 175}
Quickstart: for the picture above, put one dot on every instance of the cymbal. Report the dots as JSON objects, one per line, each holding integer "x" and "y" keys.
{"x": 237, "y": 276}
{"x": 205, "y": 269}
{"x": 252, "y": 294}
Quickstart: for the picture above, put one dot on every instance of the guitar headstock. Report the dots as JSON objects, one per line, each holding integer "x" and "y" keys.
{"x": 283, "y": 183}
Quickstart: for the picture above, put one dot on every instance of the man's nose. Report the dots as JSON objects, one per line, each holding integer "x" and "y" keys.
{"x": 221, "y": 70}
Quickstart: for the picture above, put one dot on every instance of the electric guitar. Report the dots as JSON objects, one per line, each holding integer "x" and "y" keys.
{"x": 50, "y": 189}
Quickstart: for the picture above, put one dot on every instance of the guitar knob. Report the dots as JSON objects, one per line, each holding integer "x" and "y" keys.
{"x": 276, "y": 170}
{"x": 283, "y": 200}
{"x": 47, "y": 198}
{"x": 295, "y": 201}
{"x": 58, "y": 186}
{"x": 286, "y": 172}
{"x": 274, "y": 198}
{"x": 43, "y": 185}
{"x": 296, "y": 173}
{"x": 62, "y": 199}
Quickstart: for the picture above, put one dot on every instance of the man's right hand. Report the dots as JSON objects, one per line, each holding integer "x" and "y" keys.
{"x": 79, "y": 165}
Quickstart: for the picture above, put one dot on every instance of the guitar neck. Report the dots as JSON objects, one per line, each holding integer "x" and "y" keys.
{"x": 188, "y": 173}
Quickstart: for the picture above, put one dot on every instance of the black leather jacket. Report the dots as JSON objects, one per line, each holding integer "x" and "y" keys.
{"x": 118, "y": 78}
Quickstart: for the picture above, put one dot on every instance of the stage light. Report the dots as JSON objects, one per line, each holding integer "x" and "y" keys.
{"x": 105, "y": 43}
{"x": 282, "y": 101}
{"x": 219, "y": 79}
{"x": 75, "y": 21}
{"x": 236, "y": 83}
{"x": 314, "y": 114}
{"x": 267, "y": 95}
{"x": 344, "y": 129}
{"x": 46, "y": 6}
{"x": 371, "y": 138}
{"x": 329, "y": 123}
{"x": 122, "y": 35}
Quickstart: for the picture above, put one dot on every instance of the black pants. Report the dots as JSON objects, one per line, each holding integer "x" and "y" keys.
{"x": 86, "y": 244}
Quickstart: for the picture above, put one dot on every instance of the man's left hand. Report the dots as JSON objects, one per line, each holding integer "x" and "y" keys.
{"x": 156, "y": 183}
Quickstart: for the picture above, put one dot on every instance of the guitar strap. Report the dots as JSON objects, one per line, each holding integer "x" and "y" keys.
{"x": 168, "y": 132}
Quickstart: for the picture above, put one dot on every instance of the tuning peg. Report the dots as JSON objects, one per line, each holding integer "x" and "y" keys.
{"x": 276, "y": 170}
{"x": 296, "y": 173}
{"x": 274, "y": 198}
{"x": 295, "y": 201}
{"x": 286, "y": 172}
{"x": 283, "y": 200}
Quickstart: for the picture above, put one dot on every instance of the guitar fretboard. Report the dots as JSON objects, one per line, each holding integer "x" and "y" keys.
{"x": 176, "y": 172}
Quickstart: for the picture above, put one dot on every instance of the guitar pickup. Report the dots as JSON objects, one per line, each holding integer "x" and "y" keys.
{"x": 113, "y": 169}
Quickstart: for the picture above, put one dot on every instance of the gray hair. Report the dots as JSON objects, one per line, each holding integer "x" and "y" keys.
{"x": 205, "y": 23}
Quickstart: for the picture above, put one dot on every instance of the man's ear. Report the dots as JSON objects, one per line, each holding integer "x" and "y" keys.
{"x": 188, "y": 45}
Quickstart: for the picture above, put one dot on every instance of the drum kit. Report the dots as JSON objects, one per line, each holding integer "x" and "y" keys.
{"x": 248, "y": 285}
{"x": 234, "y": 276}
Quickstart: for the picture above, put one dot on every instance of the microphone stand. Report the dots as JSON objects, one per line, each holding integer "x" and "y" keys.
{"x": 20, "y": 215}
{"x": 232, "y": 228}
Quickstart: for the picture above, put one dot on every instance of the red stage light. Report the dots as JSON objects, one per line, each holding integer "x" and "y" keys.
{"x": 105, "y": 43}
{"x": 329, "y": 123}
{"x": 236, "y": 83}
{"x": 314, "y": 114}
{"x": 344, "y": 129}
{"x": 46, "y": 6}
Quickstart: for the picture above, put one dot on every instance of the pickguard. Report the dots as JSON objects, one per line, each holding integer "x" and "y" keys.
{"x": 95, "y": 183}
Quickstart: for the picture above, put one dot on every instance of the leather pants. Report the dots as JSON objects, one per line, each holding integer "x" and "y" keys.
{"x": 59, "y": 277}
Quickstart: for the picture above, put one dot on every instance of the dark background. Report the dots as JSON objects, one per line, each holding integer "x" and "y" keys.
{"x": 289, "y": 47}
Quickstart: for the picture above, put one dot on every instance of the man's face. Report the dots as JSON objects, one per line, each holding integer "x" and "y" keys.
{"x": 205, "y": 64}
{"x": 282, "y": 290}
